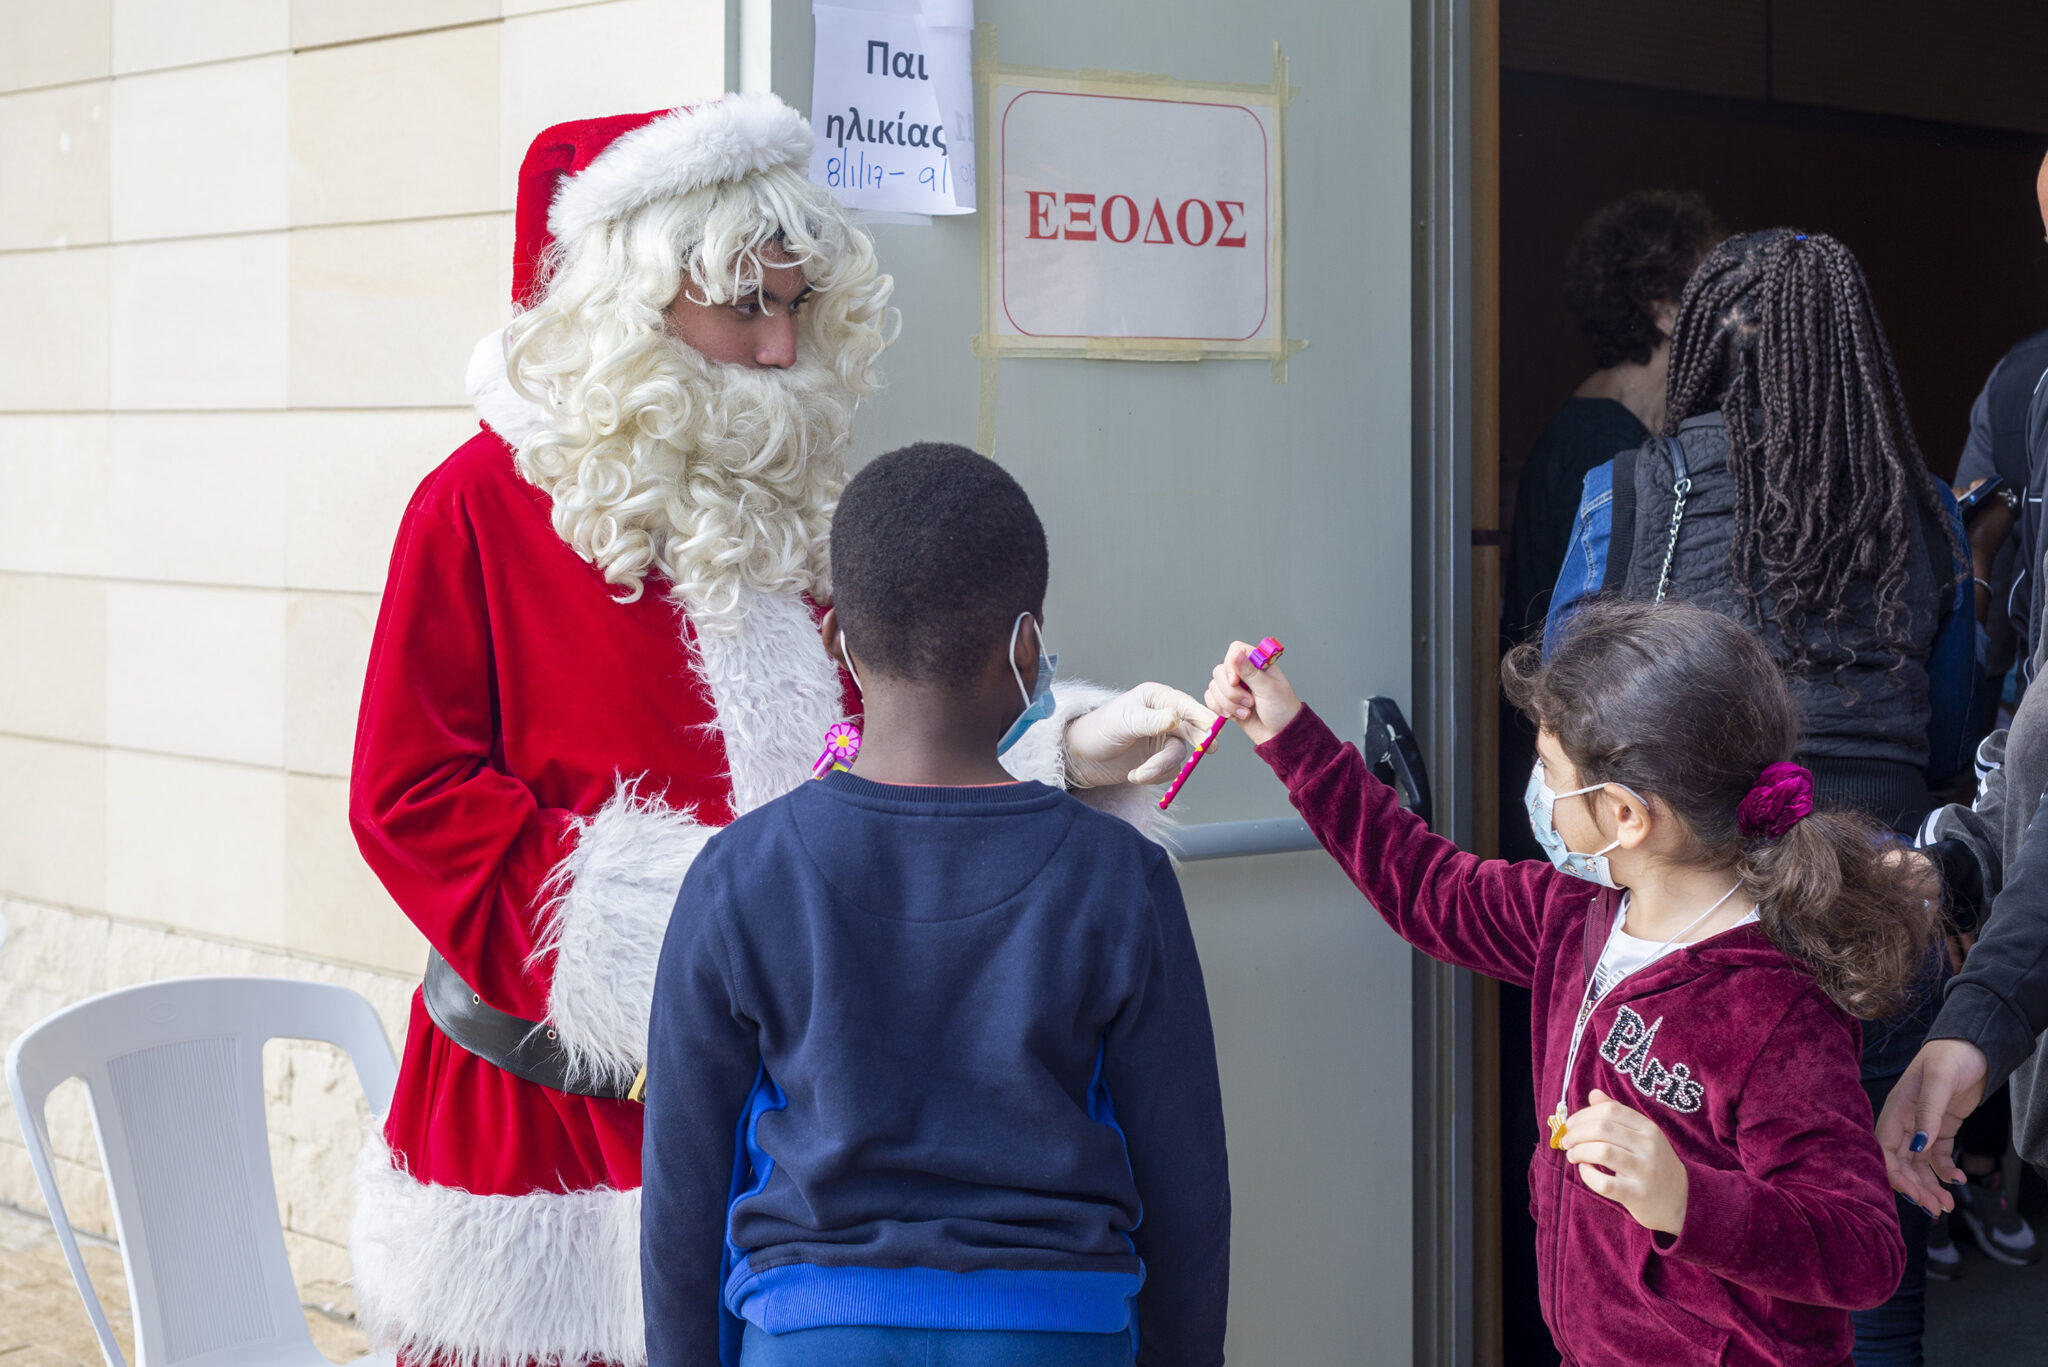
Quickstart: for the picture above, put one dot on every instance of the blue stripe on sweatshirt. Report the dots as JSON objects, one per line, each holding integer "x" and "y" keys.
{"x": 806, "y": 1296}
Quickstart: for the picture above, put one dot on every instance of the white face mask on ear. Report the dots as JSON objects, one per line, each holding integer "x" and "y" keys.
{"x": 1038, "y": 702}
{"x": 1542, "y": 804}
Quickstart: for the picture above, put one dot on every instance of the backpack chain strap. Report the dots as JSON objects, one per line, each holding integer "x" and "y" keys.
{"x": 1681, "y": 485}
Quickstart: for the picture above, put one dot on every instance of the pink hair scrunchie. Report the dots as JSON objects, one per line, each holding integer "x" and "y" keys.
{"x": 1783, "y": 796}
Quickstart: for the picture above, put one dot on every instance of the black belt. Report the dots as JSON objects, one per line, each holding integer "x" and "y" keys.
{"x": 526, "y": 1049}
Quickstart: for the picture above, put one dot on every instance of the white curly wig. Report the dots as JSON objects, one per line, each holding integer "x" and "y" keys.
{"x": 719, "y": 478}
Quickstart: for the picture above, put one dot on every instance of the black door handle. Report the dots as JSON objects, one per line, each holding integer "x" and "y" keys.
{"x": 1394, "y": 757}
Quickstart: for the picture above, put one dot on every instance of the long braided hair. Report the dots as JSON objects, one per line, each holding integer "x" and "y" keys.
{"x": 1777, "y": 330}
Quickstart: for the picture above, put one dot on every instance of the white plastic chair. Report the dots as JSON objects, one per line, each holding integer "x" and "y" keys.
{"x": 175, "y": 1071}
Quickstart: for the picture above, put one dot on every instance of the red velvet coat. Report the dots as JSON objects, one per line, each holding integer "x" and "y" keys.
{"x": 536, "y": 764}
{"x": 1728, "y": 1045}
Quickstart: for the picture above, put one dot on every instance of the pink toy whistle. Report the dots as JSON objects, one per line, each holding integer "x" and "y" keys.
{"x": 1262, "y": 654}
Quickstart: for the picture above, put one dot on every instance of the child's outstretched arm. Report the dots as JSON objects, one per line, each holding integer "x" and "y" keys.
{"x": 1479, "y": 914}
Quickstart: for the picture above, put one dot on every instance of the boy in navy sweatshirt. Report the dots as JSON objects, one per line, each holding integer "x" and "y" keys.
{"x": 930, "y": 1071}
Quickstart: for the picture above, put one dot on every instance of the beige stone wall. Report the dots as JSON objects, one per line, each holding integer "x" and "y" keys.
{"x": 247, "y": 246}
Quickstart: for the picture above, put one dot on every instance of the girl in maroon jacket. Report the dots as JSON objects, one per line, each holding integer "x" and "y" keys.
{"x": 1712, "y": 1191}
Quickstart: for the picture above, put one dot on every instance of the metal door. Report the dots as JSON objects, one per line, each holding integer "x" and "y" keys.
{"x": 1190, "y": 503}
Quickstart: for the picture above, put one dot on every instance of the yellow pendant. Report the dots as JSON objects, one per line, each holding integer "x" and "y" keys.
{"x": 1557, "y": 1129}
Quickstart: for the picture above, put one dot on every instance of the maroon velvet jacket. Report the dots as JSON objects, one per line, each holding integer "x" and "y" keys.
{"x": 1728, "y": 1044}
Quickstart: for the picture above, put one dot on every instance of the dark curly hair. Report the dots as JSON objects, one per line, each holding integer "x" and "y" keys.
{"x": 1777, "y": 330}
{"x": 1629, "y": 257}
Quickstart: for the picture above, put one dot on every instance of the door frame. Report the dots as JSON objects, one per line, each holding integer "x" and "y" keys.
{"x": 1455, "y": 1143}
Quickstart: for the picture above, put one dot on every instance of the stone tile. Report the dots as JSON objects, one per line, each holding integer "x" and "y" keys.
{"x": 327, "y": 650}
{"x": 318, "y": 1117}
{"x": 79, "y": 1185}
{"x": 68, "y": 1113}
{"x": 713, "y": 13}
{"x": 347, "y": 484}
{"x": 578, "y": 63}
{"x": 199, "y": 497}
{"x": 67, "y": 1117}
{"x": 46, "y": 1326}
{"x": 142, "y": 953}
{"x": 46, "y": 1323}
{"x": 55, "y": 44}
{"x": 319, "y": 22}
{"x": 54, "y": 520}
{"x": 385, "y": 316}
{"x": 151, "y": 34}
{"x": 508, "y": 233}
{"x": 196, "y": 671}
{"x": 334, "y": 905}
{"x": 196, "y": 845}
{"x": 53, "y": 671}
{"x": 53, "y": 958}
{"x": 400, "y": 128}
{"x": 61, "y": 363}
{"x": 53, "y": 822}
{"x": 171, "y": 178}
{"x": 53, "y": 161}
{"x": 199, "y": 323}
{"x": 322, "y": 1271}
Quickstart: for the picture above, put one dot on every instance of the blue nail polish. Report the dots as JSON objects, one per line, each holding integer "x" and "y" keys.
{"x": 1919, "y": 1141}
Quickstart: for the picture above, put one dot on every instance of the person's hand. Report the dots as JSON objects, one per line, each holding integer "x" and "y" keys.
{"x": 1259, "y": 700}
{"x": 1917, "y": 1129}
{"x": 1641, "y": 1172}
{"x": 1140, "y": 736}
{"x": 1987, "y": 532}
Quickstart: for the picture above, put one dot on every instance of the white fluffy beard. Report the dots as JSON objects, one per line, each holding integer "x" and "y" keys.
{"x": 721, "y": 478}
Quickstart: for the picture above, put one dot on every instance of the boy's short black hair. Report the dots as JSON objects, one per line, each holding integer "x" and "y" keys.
{"x": 935, "y": 550}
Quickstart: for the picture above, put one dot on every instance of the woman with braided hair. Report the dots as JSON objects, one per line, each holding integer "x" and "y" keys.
{"x": 1806, "y": 511}
{"x": 1787, "y": 491}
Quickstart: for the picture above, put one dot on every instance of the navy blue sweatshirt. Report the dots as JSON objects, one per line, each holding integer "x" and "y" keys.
{"x": 933, "y": 1058}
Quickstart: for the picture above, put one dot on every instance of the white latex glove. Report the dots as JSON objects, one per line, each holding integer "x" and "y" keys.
{"x": 1136, "y": 737}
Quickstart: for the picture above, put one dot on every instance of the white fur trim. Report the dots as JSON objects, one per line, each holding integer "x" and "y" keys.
{"x": 1041, "y": 753}
{"x": 504, "y": 409}
{"x": 683, "y": 150}
{"x": 612, "y": 899}
{"x": 451, "y": 1278}
{"x": 776, "y": 692}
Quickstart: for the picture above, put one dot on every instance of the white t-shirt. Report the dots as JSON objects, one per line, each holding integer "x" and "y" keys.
{"x": 1625, "y": 954}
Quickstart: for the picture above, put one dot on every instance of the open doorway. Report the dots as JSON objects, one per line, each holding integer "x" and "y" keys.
{"x": 1912, "y": 133}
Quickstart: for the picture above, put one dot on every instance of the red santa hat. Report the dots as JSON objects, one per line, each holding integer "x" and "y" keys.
{"x": 591, "y": 171}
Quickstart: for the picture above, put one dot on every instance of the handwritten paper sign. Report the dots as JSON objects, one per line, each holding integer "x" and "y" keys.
{"x": 1137, "y": 217}
{"x": 891, "y": 104}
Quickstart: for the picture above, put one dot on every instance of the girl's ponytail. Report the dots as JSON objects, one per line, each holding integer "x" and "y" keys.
{"x": 1684, "y": 705}
{"x": 1838, "y": 894}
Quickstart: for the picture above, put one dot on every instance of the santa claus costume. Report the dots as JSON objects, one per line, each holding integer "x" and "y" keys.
{"x": 542, "y": 750}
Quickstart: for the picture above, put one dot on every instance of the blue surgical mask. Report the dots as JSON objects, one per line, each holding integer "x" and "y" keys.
{"x": 1542, "y": 804}
{"x": 1038, "y": 704}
